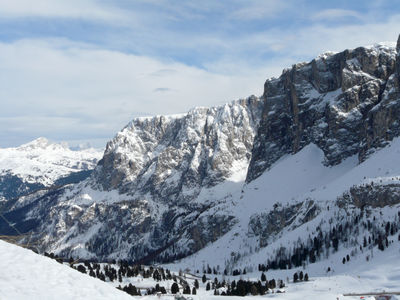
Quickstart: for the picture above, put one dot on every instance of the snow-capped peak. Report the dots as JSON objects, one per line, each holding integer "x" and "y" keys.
{"x": 42, "y": 143}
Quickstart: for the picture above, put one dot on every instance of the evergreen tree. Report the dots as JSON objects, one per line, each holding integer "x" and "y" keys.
{"x": 301, "y": 276}
{"x": 186, "y": 290}
{"x": 81, "y": 269}
{"x": 208, "y": 286}
{"x": 253, "y": 290}
{"x": 263, "y": 277}
{"x": 295, "y": 277}
{"x": 306, "y": 277}
{"x": 196, "y": 284}
{"x": 174, "y": 288}
{"x": 194, "y": 291}
{"x": 380, "y": 245}
{"x": 204, "y": 278}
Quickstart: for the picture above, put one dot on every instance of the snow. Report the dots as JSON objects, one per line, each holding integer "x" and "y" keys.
{"x": 291, "y": 180}
{"x": 41, "y": 161}
{"x": 26, "y": 275}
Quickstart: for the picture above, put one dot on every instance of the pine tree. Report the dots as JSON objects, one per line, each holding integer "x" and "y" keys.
{"x": 301, "y": 276}
{"x": 81, "y": 269}
{"x": 380, "y": 245}
{"x": 194, "y": 291}
{"x": 196, "y": 284}
{"x": 343, "y": 260}
{"x": 174, "y": 288}
{"x": 306, "y": 277}
{"x": 253, "y": 290}
{"x": 263, "y": 277}
{"x": 186, "y": 290}
{"x": 208, "y": 286}
{"x": 295, "y": 277}
{"x": 204, "y": 278}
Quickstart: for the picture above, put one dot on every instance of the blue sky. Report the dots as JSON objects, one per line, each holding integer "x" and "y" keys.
{"x": 79, "y": 70}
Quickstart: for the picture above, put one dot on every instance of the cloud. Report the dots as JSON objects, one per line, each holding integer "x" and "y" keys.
{"x": 259, "y": 9}
{"x": 146, "y": 57}
{"x": 67, "y": 91}
{"x": 161, "y": 90}
{"x": 87, "y": 9}
{"x": 334, "y": 14}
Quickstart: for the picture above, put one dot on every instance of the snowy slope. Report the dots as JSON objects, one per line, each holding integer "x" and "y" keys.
{"x": 43, "y": 162}
{"x": 26, "y": 275}
{"x": 294, "y": 179}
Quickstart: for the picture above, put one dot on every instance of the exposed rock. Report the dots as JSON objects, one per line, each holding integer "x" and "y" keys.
{"x": 371, "y": 195}
{"x": 172, "y": 158}
{"x": 267, "y": 225}
{"x": 346, "y": 103}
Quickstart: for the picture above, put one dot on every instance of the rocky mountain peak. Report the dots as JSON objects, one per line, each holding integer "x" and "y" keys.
{"x": 173, "y": 157}
{"x": 341, "y": 102}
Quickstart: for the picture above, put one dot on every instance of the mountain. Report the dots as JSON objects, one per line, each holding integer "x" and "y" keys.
{"x": 41, "y": 164}
{"x": 293, "y": 177}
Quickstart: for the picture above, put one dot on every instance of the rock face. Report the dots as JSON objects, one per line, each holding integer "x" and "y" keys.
{"x": 167, "y": 186}
{"x": 346, "y": 103}
{"x": 371, "y": 195}
{"x": 267, "y": 225}
{"x": 173, "y": 158}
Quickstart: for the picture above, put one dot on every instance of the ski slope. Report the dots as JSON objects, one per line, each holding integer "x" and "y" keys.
{"x": 25, "y": 275}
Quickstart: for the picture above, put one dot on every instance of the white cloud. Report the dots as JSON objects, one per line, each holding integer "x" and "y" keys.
{"x": 334, "y": 14}
{"x": 258, "y": 9}
{"x": 67, "y": 90}
{"x": 88, "y": 9}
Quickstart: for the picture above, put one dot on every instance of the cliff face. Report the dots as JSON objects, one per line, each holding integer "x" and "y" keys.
{"x": 172, "y": 158}
{"x": 346, "y": 103}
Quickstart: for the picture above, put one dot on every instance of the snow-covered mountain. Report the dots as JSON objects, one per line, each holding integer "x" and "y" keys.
{"x": 40, "y": 164}
{"x": 312, "y": 161}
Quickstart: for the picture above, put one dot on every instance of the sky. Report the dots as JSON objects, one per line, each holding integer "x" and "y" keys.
{"x": 80, "y": 70}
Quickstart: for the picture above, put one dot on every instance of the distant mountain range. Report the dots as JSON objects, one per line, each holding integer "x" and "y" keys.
{"x": 41, "y": 164}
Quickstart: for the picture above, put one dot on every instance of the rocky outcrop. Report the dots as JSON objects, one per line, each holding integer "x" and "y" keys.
{"x": 346, "y": 103}
{"x": 371, "y": 195}
{"x": 267, "y": 225}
